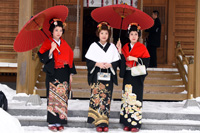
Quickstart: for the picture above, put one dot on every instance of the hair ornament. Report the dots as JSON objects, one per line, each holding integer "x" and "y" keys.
{"x": 55, "y": 21}
{"x": 100, "y": 25}
{"x": 136, "y": 24}
{"x": 64, "y": 24}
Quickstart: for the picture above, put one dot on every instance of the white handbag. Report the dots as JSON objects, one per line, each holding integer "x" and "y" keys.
{"x": 103, "y": 76}
{"x": 138, "y": 70}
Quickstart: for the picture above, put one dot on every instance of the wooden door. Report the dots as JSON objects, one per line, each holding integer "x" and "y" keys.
{"x": 161, "y": 6}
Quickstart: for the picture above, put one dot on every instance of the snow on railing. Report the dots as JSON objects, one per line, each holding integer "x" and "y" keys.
{"x": 186, "y": 68}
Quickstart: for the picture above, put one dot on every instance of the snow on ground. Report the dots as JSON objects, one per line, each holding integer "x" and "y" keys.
{"x": 148, "y": 106}
{"x": 9, "y": 124}
{"x": 7, "y": 91}
{"x": 34, "y": 129}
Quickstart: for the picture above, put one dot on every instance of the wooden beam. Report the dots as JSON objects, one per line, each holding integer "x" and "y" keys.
{"x": 196, "y": 50}
{"x": 24, "y": 72}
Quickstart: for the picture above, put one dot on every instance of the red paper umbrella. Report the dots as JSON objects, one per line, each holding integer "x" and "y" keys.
{"x": 119, "y": 16}
{"x": 36, "y": 30}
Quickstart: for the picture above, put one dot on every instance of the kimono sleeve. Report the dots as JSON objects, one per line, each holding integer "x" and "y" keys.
{"x": 73, "y": 69}
{"x": 91, "y": 70}
{"x": 114, "y": 74}
{"x": 122, "y": 66}
{"x": 48, "y": 63}
{"x": 144, "y": 61}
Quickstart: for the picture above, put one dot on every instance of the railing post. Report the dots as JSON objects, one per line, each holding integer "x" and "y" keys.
{"x": 178, "y": 46}
{"x": 191, "y": 77}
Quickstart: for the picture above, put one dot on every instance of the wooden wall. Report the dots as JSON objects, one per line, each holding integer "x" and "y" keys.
{"x": 41, "y": 5}
{"x": 9, "y": 12}
{"x": 184, "y": 23}
{"x": 181, "y": 27}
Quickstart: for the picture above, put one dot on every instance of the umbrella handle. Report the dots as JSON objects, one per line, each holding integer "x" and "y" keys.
{"x": 48, "y": 38}
{"x": 58, "y": 50}
{"x": 46, "y": 35}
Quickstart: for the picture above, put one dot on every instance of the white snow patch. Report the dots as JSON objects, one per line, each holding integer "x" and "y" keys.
{"x": 21, "y": 95}
{"x": 4, "y": 64}
{"x": 9, "y": 93}
{"x": 35, "y": 129}
{"x": 9, "y": 124}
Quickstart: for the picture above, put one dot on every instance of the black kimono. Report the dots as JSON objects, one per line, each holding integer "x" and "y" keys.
{"x": 57, "y": 84}
{"x": 132, "y": 97}
{"x": 101, "y": 91}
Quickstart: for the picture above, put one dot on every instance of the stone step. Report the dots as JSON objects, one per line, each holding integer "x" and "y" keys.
{"x": 148, "y": 124}
{"x": 39, "y": 113}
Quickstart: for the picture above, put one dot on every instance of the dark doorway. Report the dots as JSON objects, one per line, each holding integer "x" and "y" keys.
{"x": 124, "y": 37}
{"x": 89, "y": 31}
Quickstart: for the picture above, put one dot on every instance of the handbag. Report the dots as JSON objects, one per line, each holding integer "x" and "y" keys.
{"x": 138, "y": 70}
{"x": 103, "y": 76}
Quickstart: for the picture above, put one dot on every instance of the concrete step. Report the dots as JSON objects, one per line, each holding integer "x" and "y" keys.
{"x": 114, "y": 114}
{"x": 148, "y": 124}
{"x": 80, "y": 93}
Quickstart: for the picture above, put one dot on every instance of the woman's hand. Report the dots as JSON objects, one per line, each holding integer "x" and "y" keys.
{"x": 119, "y": 46}
{"x": 53, "y": 46}
{"x": 131, "y": 58}
{"x": 107, "y": 65}
{"x": 100, "y": 65}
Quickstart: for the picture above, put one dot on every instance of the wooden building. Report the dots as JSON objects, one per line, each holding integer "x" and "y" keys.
{"x": 179, "y": 21}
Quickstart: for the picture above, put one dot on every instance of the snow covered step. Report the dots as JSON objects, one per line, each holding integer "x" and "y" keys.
{"x": 113, "y": 114}
{"x": 79, "y": 108}
{"x": 148, "y": 124}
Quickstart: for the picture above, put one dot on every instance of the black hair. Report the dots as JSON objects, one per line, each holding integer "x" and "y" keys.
{"x": 134, "y": 28}
{"x": 53, "y": 26}
{"x": 156, "y": 12}
{"x": 103, "y": 27}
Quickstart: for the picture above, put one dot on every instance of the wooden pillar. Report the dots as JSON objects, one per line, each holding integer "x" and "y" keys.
{"x": 196, "y": 50}
{"x": 171, "y": 23}
{"x": 24, "y": 72}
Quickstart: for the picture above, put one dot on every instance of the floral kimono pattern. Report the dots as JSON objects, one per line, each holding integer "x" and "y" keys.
{"x": 99, "y": 107}
{"x": 58, "y": 99}
{"x": 131, "y": 108}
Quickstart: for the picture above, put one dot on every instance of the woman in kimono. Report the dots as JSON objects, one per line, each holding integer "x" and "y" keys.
{"x": 132, "y": 93}
{"x": 57, "y": 57}
{"x": 102, "y": 60}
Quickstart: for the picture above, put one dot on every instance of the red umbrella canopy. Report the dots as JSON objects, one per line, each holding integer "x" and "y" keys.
{"x": 33, "y": 32}
{"x": 114, "y": 14}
